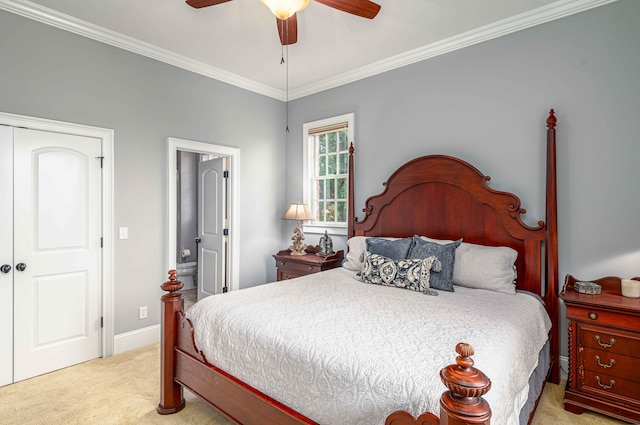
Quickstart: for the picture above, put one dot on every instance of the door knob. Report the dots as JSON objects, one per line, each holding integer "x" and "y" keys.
{"x": 5, "y": 268}
{"x": 21, "y": 267}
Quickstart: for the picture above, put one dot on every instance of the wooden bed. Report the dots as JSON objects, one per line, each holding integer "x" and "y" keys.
{"x": 439, "y": 196}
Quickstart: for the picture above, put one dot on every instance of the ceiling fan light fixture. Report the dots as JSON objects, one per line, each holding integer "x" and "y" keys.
{"x": 284, "y": 9}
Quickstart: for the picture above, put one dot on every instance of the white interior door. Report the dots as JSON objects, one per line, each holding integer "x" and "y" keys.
{"x": 57, "y": 237}
{"x": 211, "y": 225}
{"x": 6, "y": 255}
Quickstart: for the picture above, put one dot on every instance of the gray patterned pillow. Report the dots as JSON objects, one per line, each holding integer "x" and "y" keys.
{"x": 407, "y": 274}
{"x": 396, "y": 249}
{"x": 445, "y": 253}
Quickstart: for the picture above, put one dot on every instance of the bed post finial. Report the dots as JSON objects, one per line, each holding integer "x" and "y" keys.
{"x": 463, "y": 403}
{"x": 172, "y": 285}
{"x": 551, "y": 121}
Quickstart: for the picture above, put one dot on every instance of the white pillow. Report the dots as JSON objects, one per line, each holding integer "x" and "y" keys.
{"x": 483, "y": 267}
{"x": 357, "y": 245}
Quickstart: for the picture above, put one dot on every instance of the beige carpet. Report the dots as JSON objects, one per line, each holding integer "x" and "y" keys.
{"x": 124, "y": 389}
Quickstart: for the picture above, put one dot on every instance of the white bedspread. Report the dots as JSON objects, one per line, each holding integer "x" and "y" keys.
{"x": 341, "y": 351}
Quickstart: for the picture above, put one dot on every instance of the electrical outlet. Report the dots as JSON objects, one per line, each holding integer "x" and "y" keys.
{"x": 142, "y": 312}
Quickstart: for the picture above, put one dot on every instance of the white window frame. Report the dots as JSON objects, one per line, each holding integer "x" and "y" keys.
{"x": 308, "y": 166}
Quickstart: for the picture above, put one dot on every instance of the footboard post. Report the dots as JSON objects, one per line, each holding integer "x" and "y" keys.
{"x": 171, "y": 398}
{"x": 463, "y": 403}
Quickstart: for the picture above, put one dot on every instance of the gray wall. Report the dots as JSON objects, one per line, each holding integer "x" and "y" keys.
{"x": 488, "y": 103}
{"x": 49, "y": 73}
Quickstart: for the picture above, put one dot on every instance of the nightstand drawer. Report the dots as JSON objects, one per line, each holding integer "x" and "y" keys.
{"x": 620, "y": 390}
{"x": 617, "y": 319}
{"x": 610, "y": 341}
{"x": 286, "y": 275}
{"x": 299, "y": 268}
{"x": 613, "y": 364}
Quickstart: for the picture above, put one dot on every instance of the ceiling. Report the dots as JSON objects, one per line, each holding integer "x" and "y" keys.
{"x": 237, "y": 42}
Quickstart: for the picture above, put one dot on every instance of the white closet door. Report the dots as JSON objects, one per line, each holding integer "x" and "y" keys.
{"x": 57, "y": 210}
{"x": 6, "y": 255}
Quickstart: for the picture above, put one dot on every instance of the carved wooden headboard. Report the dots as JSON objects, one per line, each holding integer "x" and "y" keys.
{"x": 446, "y": 198}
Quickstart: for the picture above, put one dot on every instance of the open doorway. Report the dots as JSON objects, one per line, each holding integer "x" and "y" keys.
{"x": 202, "y": 233}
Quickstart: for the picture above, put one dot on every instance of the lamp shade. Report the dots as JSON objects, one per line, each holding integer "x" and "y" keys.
{"x": 298, "y": 212}
{"x": 284, "y": 9}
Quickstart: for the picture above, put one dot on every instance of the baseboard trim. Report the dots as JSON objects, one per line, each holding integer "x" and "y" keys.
{"x": 564, "y": 367}
{"x": 136, "y": 339}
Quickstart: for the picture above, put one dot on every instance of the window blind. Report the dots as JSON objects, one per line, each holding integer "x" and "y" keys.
{"x": 328, "y": 128}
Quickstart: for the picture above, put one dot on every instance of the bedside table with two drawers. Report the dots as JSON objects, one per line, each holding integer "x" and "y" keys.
{"x": 292, "y": 266}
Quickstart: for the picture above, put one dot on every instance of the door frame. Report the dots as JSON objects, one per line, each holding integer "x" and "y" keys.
{"x": 173, "y": 146}
{"x": 107, "y": 137}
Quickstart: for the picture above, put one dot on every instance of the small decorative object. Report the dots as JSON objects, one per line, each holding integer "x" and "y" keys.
{"x": 298, "y": 212}
{"x": 588, "y": 288}
{"x": 326, "y": 246}
{"x": 630, "y": 288}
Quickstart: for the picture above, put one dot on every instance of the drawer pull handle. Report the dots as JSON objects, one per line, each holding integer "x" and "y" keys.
{"x": 606, "y": 366}
{"x": 605, "y": 386}
{"x": 593, "y": 316}
{"x": 605, "y": 345}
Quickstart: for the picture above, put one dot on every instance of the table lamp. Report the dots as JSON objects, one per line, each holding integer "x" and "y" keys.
{"x": 298, "y": 211}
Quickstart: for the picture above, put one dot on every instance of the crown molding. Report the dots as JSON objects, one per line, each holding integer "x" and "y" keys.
{"x": 65, "y": 22}
{"x": 548, "y": 13}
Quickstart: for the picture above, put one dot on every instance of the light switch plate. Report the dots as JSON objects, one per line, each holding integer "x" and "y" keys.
{"x": 124, "y": 233}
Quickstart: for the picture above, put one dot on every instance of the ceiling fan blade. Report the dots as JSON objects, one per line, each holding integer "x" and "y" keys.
{"x": 288, "y": 30}
{"x": 204, "y": 3}
{"x": 363, "y": 8}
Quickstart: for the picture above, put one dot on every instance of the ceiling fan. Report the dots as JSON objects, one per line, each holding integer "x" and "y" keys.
{"x": 286, "y": 19}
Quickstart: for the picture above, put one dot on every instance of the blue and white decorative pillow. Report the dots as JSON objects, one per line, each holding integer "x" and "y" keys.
{"x": 413, "y": 274}
{"x": 446, "y": 253}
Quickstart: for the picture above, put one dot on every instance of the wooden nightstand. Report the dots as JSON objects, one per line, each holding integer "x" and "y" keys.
{"x": 604, "y": 351}
{"x": 290, "y": 266}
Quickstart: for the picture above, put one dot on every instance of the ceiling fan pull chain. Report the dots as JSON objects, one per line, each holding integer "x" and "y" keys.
{"x": 287, "y": 96}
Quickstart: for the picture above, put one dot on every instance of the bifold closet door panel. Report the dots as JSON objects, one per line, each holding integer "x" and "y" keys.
{"x": 57, "y": 231}
{"x": 6, "y": 255}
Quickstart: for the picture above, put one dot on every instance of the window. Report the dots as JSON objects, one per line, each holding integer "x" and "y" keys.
{"x": 326, "y": 173}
